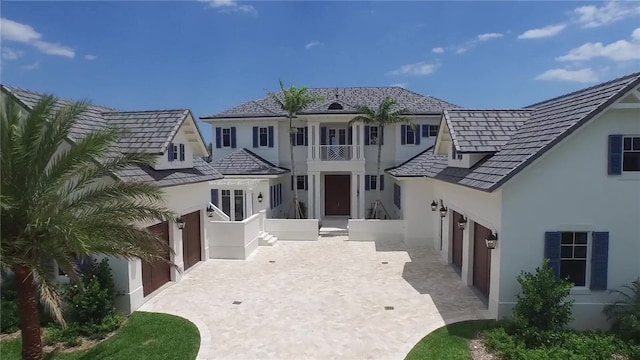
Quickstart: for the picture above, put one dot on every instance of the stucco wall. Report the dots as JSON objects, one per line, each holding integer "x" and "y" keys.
{"x": 244, "y": 138}
{"x": 374, "y": 230}
{"x": 234, "y": 239}
{"x": 290, "y": 229}
{"x": 416, "y": 197}
{"x": 162, "y": 161}
{"x": 570, "y": 190}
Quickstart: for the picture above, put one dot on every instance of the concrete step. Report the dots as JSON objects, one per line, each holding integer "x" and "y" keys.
{"x": 266, "y": 239}
{"x": 273, "y": 240}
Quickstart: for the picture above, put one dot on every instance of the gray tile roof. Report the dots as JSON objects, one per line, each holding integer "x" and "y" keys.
{"x": 246, "y": 162}
{"x": 480, "y": 130}
{"x": 421, "y": 165}
{"x": 148, "y": 131}
{"x": 347, "y": 97}
{"x": 550, "y": 122}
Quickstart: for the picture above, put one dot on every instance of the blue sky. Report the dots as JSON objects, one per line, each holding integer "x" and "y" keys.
{"x": 212, "y": 55}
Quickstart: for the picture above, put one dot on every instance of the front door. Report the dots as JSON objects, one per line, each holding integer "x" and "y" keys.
{"x": 191, "y": 240}
{"x": 337, "y": 195}
{"x": 457, "y": 243}
{"x": 481, "y": 260}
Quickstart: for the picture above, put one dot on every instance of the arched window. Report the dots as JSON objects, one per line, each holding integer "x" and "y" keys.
{"x": 335, "y": 106}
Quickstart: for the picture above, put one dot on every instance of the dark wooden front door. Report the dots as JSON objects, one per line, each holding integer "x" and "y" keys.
{"x": 337, "y": 194}
{"x": 191, "y": 240}
{"x": 156, "y": 273}
{"x": 456, "y": 247}
{"x": 481, "y": 260}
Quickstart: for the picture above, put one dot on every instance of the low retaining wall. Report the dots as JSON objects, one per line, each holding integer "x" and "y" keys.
{"x": 234, "y": 239}
{"x": 373, "y": 230}
{"x": 292, "y": 229}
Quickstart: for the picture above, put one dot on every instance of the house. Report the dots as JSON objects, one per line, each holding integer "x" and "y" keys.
{"x": 559, "y": 179}
{"x": 335, "y": 162}
{"x": 174, "y": 138}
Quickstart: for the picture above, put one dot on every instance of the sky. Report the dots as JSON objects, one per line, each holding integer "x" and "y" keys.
{"x": 211, "y": 55}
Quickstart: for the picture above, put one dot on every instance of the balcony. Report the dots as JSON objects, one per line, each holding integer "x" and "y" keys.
{"x": 336, "y": 152}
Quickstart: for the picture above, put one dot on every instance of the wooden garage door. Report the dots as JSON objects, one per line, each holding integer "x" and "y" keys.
{"x": 456, "y": 247}
{"x": 156, "y": 273}
{"x": 481, "y": 260}
{"x": 191, "y": 240}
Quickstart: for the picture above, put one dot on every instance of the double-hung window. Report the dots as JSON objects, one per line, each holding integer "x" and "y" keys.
{"x": 263, "y": 136}
{"x": 226, "y": 137}
{"x": 373, "y": 135}
{"x": 373, "y": 182}
{"x": 301, "y": 181}
{"x": 631, "y": 153}
{"x": 410, "y": 135}
{"x": 299, "y": 136}
{"x": 573, "y": 257}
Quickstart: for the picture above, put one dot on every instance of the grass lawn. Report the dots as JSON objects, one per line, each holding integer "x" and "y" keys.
{"x": 144, "y": 336}
{"x": 450, "y": 342}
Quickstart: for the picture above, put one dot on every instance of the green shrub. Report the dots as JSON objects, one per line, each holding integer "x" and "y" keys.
{"x": 624, "y": 314}
{"x": 542, "y": 309}
{"x": 9, "y": 310}
{"x": 69, "y": 336}
{"x": 9, "y": 316}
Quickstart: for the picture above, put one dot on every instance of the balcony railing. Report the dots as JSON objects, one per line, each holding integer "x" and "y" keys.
{"x": 336, "y": 152}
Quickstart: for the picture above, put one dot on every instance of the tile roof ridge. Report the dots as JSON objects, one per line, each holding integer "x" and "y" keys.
{"x": 490, "y": 109}
{"x": 12, "y": 89}
{"x": 432, "y": 147}
{"x": 183, "y": 110}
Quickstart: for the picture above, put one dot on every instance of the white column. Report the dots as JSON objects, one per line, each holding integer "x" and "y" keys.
{"x": 311, "y": 137}
{"x": 311, "y": 195}
{"x": 316, "y": 142}
{"x": 354, "y": 195}
{"x": 361, "y": 204}
{"x": 316, "y": 193}
{"x": 466, "y": 272}
{"x": 361, "y": 142}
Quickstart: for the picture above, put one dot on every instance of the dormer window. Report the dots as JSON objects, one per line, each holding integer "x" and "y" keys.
{"x": 173, "y": 154}
{"x": 454, "y": 153}
{"x": 336, "y": 106}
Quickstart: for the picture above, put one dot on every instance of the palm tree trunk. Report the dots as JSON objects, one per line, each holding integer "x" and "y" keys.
{"x": 29, "y": 318}
{"x": 296, "y": 205}
{"x": 379, "y": 191}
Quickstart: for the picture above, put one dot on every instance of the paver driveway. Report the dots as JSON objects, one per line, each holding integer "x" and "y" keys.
{"x": 319, "y": 300}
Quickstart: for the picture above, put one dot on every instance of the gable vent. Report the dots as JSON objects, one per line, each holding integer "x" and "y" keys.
{"x": 335, "y": 106}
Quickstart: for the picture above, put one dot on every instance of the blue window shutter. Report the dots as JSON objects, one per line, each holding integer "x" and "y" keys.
{"x": 306, "y": 182}
{"x": 366, "y": 135}
{"x": 599, "y": 260}
{"x": 403, "y": 134}
{"x": 349, "y": 135}
{"x": 323, "y": 135}
{"x": 182, "y": 156}
{"x": 306, "y": 135}
{"x": 255, "y": 137}
{"x": 218, "y": 137}
{"x": 233, "y": 137}
{"x": 270, "y": 134}
{"x": 214, "y": 197}
{"x": 381, "y": 135}
{"x": 615, "y": 154}
{"x": 170, "y": 152}
{"x": 381, "y": 182}
{"x": 367, "y": 182}
{"x": 417, "y": 134}
{"x": 425, "y": 130}
{"x": 271, "y": 197}
{"x": 399, "y": 196}
{"x": 552, "y": 250}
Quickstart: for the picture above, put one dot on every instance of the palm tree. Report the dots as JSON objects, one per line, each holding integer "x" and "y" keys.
{"x": 294, "y": 100}
{"x": 386, "y": 114}
{"x": 60, "y": 203}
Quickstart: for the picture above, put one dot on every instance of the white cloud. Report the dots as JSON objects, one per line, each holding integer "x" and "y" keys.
{"x": 402, "y": 85}
{"x": 621, "y": 50}
{"x": 313, "y": 44}
{"x": 585, "y": 75}
{"x": 30, "y": 67}
{"x": 90, "y": 57}
{"x": 462, "y": 50}
{"x": 591, "y": 16}
{"x": 544, "y": 32}
{"x": 489, "y": 36}
{"x": 419, "y": 68}
{"x": 230, "y": 6}
{"x": 14, "y": 31}
{"x": 10, "y": 54}
{"x": 437, "y": 50}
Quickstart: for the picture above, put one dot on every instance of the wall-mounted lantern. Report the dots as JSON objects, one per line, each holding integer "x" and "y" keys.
{"x": 210, "y": 210}
{"x": 260, "y": 197}
{"x": 434, "y": 205}
{"x": 462, "y": 223}
{"x": 443, "y": 210}
{"x": 181, "y": 223}
{"x": 491, "y": 240}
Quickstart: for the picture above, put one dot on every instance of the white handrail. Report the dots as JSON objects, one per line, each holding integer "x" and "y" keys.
{"x": 336, "y": 152}
{"x": 220, "y": 213}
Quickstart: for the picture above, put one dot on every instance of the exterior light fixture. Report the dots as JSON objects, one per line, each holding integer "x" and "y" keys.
{"x": 462, "y": 223}
{"x": 181, "y": 223}
{"x": 443, "y": 210}
{"x": 491, "y": 240}
{"x": 434, "y": 205}
{"x": 260, "y": 197}
{"x": 210, "y": 210}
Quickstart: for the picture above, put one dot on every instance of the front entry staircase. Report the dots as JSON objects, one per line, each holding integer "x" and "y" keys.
{"x": 266, "y": 239}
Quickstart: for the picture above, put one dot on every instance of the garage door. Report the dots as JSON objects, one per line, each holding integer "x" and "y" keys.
{"x": 456, "y": 247}
{"x": 481, "y": 260}
{"x": 191, "y": 240}
{"x": 156, "y": 273}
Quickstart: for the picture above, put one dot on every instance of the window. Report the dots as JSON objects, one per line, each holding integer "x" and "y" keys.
{"x": 226, "y": 201}
{"x": 300, "y": 182}
{"x": 373, "y": 182}
{"x": 239, "y": 205}
{"x": 631, "y": 153}
{"x": 410, "y": 135}
{"x": 573, "y": 257}
{"x": 263, "y": 136}
{"x": 226, "y": 137}
{"x": 396, "y": 195}
{"x": 300, "y": 135}
{"x": 433, "y": 130}
{"x": 454, "y": 152}
{"x": 373, "y": 135}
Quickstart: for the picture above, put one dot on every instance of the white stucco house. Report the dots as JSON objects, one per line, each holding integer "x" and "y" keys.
{"x": 559, "y": 179}
{"x": 173, "y": 136}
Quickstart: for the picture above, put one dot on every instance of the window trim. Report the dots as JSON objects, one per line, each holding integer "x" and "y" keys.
{"x": 632, "y": 137}
{"x": 373, "y": 182}
{"x": 298, "y": 136}
{"x": 266, "y": 136}
{"x": 373, "y": 140}
{"x": 437, "y": 130}
{"x": 407, "y": 130}
{"x": 222, "y": 135}
{"x": 587, "y": 275}
{"x": 298, "y": 179}
{"x": 174, "y": 152}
